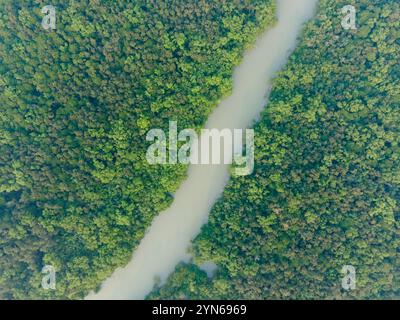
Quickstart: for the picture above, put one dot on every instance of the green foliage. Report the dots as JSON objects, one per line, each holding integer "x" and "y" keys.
{"x": 76, "y": 191}
{"x": 325, "y": 192}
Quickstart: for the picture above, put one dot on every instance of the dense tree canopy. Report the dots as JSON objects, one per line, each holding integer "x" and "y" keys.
{"x": 326, "y": 187}
{"x": 76, "y": 191}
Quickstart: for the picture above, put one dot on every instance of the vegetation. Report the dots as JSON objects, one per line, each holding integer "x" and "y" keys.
{"x": 76, "y": 191}
{"x": 326, "y": 188}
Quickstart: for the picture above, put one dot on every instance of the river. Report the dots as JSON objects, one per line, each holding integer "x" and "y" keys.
{"x": 167, "y": 240}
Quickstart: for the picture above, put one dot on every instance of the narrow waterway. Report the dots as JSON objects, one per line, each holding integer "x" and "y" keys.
{"x": 170, "y": 234}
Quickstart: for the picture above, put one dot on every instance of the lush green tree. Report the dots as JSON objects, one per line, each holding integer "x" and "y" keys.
{"x": 76, "y": 103}
{"x": 325, "y": 191}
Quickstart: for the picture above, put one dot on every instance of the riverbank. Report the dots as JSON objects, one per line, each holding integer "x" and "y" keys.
{"x": 169, "y": 237}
